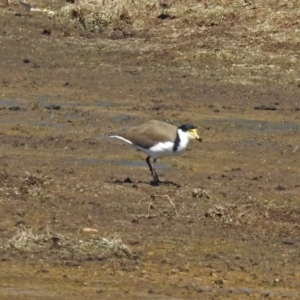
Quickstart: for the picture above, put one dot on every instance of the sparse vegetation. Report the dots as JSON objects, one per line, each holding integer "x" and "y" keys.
{"x": 245, "y": 39}
{"x": 99, "y": 14}
{"x": 66, "y": 246}
{"x": 229, "y": 213}
{"x": 260, "y": 15}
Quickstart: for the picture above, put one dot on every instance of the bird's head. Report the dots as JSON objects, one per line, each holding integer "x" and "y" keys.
{"x": 191, "y": 129}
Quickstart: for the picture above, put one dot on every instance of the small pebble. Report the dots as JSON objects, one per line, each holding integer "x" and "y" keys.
{"x": 53, "y": 106}
{"x": 86, "y": 229}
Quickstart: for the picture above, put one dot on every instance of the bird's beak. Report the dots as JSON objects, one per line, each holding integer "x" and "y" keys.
{"x": 194, "y": 135}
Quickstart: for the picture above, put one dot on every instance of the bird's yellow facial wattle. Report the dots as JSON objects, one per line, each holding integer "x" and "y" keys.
{"x": 194, "y": 135}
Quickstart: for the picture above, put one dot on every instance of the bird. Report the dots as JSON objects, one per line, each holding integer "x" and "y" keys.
{"x": 157, "y": 139}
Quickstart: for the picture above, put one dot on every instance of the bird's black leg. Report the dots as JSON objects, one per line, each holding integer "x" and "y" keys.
{"x": 149, "y": 164}
{"x": 152, "y": 169}
{"x": 155, "y": 176}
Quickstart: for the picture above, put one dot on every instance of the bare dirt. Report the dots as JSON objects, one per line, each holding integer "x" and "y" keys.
{"x": 237, "y": 231}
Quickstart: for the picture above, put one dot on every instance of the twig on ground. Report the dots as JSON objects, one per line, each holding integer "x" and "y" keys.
{"x": 161, "y": 196}
{"x": 295, "y": 148}
{"x": 151, "y": 205}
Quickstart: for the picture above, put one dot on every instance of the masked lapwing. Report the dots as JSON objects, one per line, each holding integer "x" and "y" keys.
{"x": 157, "y": 139}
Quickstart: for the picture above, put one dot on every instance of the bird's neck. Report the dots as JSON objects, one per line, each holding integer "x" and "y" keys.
{"x": 181, "y": 141}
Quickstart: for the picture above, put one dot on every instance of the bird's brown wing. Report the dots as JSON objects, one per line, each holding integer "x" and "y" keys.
{"x": 150, "y": 133}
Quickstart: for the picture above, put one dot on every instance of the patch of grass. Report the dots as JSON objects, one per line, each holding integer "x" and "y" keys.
{"x": 99, "y": 14}
{"x": 32, "y": 185}
{"x": 245, "y": 42}
{"x": 25, "y": 240}
{"x": 229, "y": 213}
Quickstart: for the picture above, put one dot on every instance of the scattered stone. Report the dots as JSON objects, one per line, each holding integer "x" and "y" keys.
{"x": 280, "y": 188}
{"x": 47, "y": 32}
{"x": 200, "y": 193}
{"x": 87, "y": 229}
{"x": 71, "y": 264}
{"x": 19, "y": 222}
{"x": 276, "y": 282}
{"x": 236, "y": 169}
{"x": 290, "y": 243}
{"x": 219, "y": 282}
{"x": 44, "y": 271}
{"x": 266, "y": 294}
{"x": 116, "y": 35}
{"x": 36, "y": 66}
{"x": 128, "y": 180}
{"x": 246, "y": 290}
{"x": 265, "y": 107}
{"x": 202, "y": 289}
{"x": 26, "y": 61}
{"x": 164, "y": 16}
{"x": 53, "y": 106}
{"x": 14, "y": 108}
{"x": 55, "y": 242}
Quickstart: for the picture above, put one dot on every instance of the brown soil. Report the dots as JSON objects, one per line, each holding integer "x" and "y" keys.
{"x": 237, "y": 232}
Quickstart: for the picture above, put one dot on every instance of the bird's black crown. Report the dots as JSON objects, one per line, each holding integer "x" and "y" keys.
{"x": 186, "y": 127}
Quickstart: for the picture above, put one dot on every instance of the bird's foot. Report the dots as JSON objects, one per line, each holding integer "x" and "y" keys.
{"x": 157, "y": 182}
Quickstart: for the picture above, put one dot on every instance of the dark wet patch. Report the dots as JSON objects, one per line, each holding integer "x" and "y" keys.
{"x": 29, "y": 292}
{"x": 16, "y": 108}
{"x": 9, "y": 102}
{"x": 47, "y": 32}
{"x": 44, "y": 97}
{"x": 164, "y": 16}
{"x": 257, "y": 126}
{"x": 104, "y": 103}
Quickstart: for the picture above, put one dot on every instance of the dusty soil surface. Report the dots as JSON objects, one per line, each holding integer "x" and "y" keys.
{"x": 236, "y": 234}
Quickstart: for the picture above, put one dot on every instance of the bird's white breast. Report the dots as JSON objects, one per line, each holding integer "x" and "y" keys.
{"x": 167, "y": 148}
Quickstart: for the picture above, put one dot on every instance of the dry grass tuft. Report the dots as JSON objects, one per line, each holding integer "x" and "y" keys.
{"x": 229, "y": 213}
{"x": 33, "y": 185}
{"x": 99, "y": 14}
{"x": 260, "y": 15}
{"x": 26, "y": 240}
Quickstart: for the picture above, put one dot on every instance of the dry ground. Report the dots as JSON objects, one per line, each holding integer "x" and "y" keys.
{"x": 232, "y": 70}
